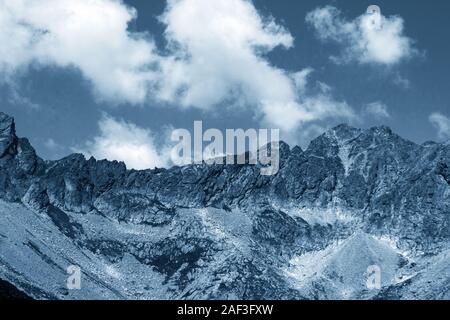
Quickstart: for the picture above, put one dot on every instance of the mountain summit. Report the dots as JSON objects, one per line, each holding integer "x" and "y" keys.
{"x": 353, "y": 199}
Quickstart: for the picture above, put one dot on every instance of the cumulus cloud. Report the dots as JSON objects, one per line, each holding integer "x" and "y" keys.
{"x": 124, "y": 141}
{"x": 360, "y": 40}
{"x": 377, "y": 109}
{"x": 216, "y": 55}
{"x": 442, "y": 124}
{"x": 219, "y": 47}
{"x": 91, "y": 36}
{"x": 219, "y": 55}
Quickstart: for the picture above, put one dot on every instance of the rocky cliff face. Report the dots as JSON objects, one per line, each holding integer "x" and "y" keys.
{"x": 354, "y": 198}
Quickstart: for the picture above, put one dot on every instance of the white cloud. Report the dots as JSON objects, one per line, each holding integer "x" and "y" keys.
{"x": 55, "y": 150}
{"x": 216, "y": 54}
{"x": 51, "y": 144}
{"x": 301, "y": 79}
{"x": 362, "y": 42}
{"x": 219, "y": 55}
{"x": 402, "y": 82}
{"x": 124, "y": 141}
{"x": 442, "y": 124}
{"x": 312, "y": 108}
{"x": 377, "y": 109}
{"x": 14, "y": 97}
{"x": 89, "y": 35}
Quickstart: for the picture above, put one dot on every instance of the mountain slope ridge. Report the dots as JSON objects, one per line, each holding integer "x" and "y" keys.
{"x": 221, "y": 231}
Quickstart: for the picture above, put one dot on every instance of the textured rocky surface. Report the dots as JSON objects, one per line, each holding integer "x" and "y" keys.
{"x": 354, "y": 198}
{"x": 9, "y": 291}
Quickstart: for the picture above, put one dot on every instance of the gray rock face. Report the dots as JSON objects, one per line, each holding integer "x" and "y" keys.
{"x": 225, "y": 231}
{"x": 8, "y": 139}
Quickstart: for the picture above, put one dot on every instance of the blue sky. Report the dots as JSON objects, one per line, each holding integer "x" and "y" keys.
{"x": 112, "y": 79}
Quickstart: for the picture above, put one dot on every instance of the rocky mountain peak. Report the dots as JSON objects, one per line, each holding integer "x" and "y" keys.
{"x": 381, "y": 130}
{"x": 211, "y": 230}
{"x": 343, "y": 132}
{"x": 8, "y": 139}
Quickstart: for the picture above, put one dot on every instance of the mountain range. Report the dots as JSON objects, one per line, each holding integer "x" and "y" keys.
{"x": 353, "y": 199}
